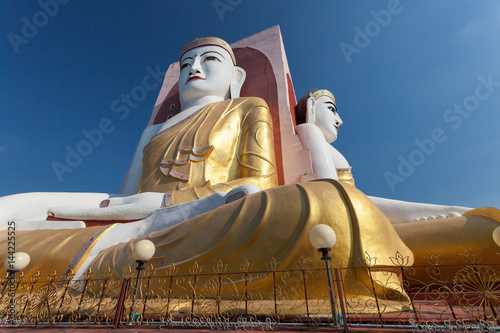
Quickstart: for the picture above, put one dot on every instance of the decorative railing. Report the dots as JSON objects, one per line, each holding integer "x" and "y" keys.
{"x": 432, "y": 297}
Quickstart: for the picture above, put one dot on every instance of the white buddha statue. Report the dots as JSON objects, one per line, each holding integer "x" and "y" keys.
{"x": 446, "y": 230}
{"x": 318, "y": 123}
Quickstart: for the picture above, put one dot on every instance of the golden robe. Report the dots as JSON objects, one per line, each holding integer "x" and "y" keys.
{"x": 222, "y": 146}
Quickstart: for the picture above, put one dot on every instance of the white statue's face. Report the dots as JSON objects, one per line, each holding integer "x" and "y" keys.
{"x": 205, "y": 71}
{"x": 327, "y": 118}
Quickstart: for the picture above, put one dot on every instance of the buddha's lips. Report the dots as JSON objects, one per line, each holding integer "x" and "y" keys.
{"x": 194, "y": 78}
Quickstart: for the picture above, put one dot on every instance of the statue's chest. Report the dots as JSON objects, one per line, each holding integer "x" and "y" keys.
{"x": 202, "y": 151}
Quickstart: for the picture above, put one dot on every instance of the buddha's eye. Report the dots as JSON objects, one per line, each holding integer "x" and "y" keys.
{"x": 211, "y": 58}
{"x": 184, "y": 65}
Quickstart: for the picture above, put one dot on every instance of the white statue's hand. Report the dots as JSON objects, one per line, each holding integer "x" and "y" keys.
{"x": 137, "y": 206}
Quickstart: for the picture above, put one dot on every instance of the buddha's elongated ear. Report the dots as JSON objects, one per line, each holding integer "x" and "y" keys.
{"x": 311, "y": 111}
{"x": 239, "y": 76}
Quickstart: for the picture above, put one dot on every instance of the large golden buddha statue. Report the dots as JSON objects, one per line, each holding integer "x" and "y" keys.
{"x": 208, "y": 191}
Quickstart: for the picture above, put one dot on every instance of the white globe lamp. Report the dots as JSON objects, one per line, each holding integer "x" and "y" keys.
{"x": 14, "y": 262}
{"x": 143, "y": 250}
{"x": 17, "y": 262}
{"x": 496, "y": 236}
{"x": 322, "y": 236}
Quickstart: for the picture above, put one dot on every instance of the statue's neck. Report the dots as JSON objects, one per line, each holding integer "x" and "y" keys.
{"x": 200, "y": 102}
{"x": 189, "y": 108}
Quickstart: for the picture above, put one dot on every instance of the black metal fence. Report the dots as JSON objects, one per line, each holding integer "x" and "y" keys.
{"x": 432, "y": 297}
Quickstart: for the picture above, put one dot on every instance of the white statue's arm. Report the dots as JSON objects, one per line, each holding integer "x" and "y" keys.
{"x": 135, "y": 172}
{"x": 162, "y": 219}
{"x": 133, "y": 207}
{"x": 30, "y": 210}
{"x": 313, "y": 140}
{"x": 401, "y": 211}
{"x": 339, "y": 160}
{"x": 32, "y": 207}
{"x": 128, "y": 207}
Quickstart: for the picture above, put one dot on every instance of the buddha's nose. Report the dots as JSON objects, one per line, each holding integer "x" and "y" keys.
{"x": 339, "y": 121}
{"x": 195, "y": 68}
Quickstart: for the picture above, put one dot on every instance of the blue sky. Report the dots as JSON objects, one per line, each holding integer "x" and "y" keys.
{"x": 397, "y": 88}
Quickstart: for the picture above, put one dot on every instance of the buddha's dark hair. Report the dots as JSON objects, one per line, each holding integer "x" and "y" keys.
{"x": 301, "y": 107}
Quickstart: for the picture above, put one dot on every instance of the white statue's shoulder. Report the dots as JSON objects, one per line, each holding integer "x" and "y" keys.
{"x": 339, "y": 159}
{"x": 309, "y": 135}
{"x": 131, "y": 185}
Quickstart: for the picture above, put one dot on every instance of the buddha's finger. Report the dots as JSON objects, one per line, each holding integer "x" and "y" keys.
{"x": 112, "y": 202}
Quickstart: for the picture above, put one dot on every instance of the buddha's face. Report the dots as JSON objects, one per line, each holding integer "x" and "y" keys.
{"x": 205, "y": 71}
{"x": 327, "y": 118}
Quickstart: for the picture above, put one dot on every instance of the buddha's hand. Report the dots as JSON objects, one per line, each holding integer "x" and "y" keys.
{"x": 133, "y": 207}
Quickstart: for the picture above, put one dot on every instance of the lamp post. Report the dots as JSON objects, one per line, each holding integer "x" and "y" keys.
{"x": 14, "y": 263}
{"x": 142, "y": 252}
{"x": 323, "y": 238}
